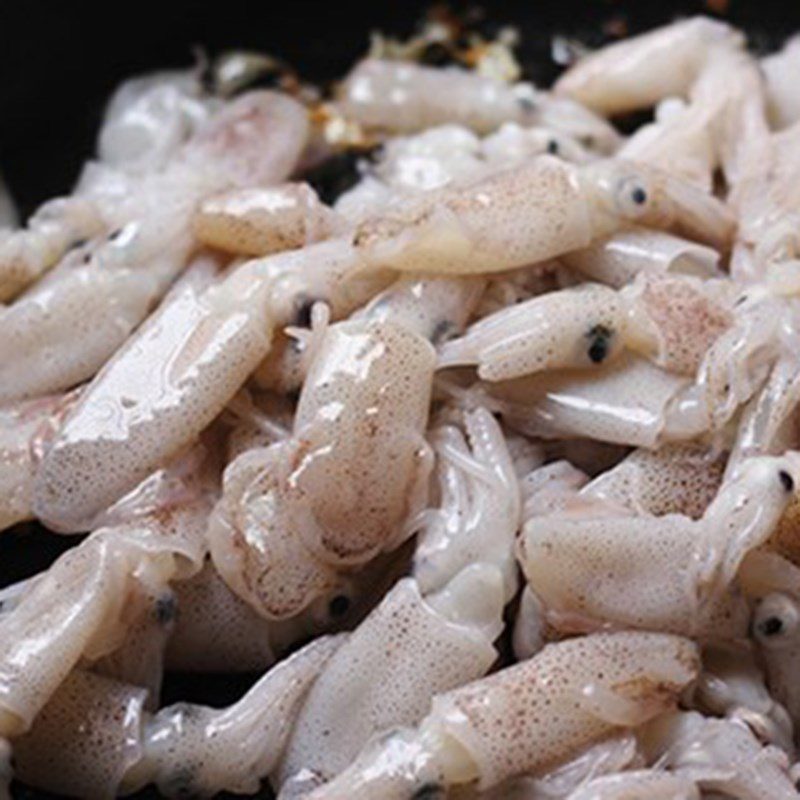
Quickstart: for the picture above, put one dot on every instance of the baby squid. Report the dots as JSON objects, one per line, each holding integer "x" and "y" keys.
{"x": 525, "y": 719}
{"x": 273, "y": 541}
{"x": 77, "y": 608}
{"x": 733, "y": 685}
{"x": 629, "y": 402}
{"x": 94, "y": 738}
{"x": 764, "y": 197}
{"x": 739, "y": 361}
{"x": 405, "y": 97}
{"x": 767, "y": 424}
{"x": 260, "y": 221}
{"x": 719, "y": 755}
{"x": 150, "y": 116}
{"x": 57, "y": 226}
{"x": 774, "y": 584}
{"x": 407, "y": 650}
{"x": 669, "y": 319}
{"x": 203, "y": 346}
{"x": 70, "y": 323}
{"x": 641, "y": 71}
{"x": 681, "y": 571}
{"x": 537, "y": 211}
{"x": 294, "y": 514}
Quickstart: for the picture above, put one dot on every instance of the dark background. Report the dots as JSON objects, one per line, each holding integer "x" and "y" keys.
{"x": 60, "y": 60}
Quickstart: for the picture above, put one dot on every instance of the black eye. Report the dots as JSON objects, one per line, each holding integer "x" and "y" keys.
{"x": 599, "y": 343}
{"x": 552, "y": 147}
{"x": 631, "y": 196}
{"x": 775, "y": 622}
{"x": 302, "y": 316}
{"x": 339, "y": 606}
{"x": 430, "y": 791}
{"x": 771, "y": 626}
{"x": 445, "y": 329}
{"x": 786, "y": 480}
{"x": 165, "y": 608}
{"x": 114, "y": 234}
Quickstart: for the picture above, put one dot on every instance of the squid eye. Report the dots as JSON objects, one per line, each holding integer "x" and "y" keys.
{"x": 775, "y": 620}
{"x": 338, "y": 605}
{"x": 632, "y": 197}
{"x": 430, "y": 791}
{"x": 333, "y": 606}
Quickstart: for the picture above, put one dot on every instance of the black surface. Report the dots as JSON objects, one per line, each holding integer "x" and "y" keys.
{"x": 60, "y": 60}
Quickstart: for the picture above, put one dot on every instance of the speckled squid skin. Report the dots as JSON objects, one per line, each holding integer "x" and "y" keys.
{"x": 85, "y": 738}
{"x": 670, "y": 319}
{"x": 75, "y": 610}
{"x": 201, "y": 347}
{"x": 26, "y": 428}
{"x": 260, "y": 221}
{"x": 540, "y": 210}
{"x": 385, "y": 675}
{"x": 681, "y": 571}
{"x": 70, "y": 323}
{"x": 325, "y": 498}
{"x": 675, "y": 479}
{"x": 94, "y": 737}
{"x": 526, "y": 719}
{"x": 369, "y": 392}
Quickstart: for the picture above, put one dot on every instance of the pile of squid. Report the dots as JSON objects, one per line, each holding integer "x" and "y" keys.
{"x": 488, "y": 463}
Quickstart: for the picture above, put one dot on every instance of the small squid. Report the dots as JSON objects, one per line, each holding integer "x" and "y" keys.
{"x": 672, "y": 320}
{"x": 525, "y": 719}
{"x": 680, "y": 570}
{"x": 408, "y": 650}
{"x": 95, "y": 739}
{"x": 296, "y": 513}
{"x": 537, "y": 211}
{"x": 66, "y": 326}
